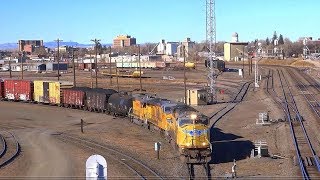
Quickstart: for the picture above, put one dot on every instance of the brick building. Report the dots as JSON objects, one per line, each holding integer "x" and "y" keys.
{"x": 123, "y": 41}
{"x": 27, "y": 45}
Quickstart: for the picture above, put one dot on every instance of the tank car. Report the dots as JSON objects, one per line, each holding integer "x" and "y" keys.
{"x": 120, "y": 104}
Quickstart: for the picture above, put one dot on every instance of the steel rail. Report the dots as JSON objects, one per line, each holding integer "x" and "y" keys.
{"x": 15, "y": 154}
{"x": 89, "y": 144}
{"x": 295, "y": 141}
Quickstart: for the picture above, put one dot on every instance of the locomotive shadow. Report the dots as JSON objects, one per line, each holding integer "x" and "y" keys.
{"x": 226, "y": 147}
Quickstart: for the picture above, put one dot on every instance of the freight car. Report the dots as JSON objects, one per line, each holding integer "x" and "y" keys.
{"x": 183, "y": 126}
{"x": 74, "y": 97}
{"x": 97, "y": 99}
{"x": 49, "y": 91}
{"x": 120, "y": 104}
{"x": 217, "y": 64}
{"x": 1, "y": 89}
{"x": 18, "y": 90}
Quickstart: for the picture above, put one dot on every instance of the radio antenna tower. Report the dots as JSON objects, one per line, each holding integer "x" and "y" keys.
{"x": 211, "y": 44}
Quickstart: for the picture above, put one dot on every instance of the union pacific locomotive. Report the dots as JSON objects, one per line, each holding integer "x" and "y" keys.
{"x": 183, "y": 126}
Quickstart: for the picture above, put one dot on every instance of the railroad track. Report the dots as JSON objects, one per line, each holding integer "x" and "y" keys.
{"x": 214, "y": 118}
{"x": 138, "y": 168}
{"x": 308, "y": 95}
{"x": 205, "y": 170}
{"x": 306, "y": 157}
{"x": 7, "y": 154}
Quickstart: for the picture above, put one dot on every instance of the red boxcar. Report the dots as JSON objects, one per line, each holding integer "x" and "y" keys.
{"x": 1, "y": 89}
{"x": 18, "y": 90}
{"x": 73, "y": 97}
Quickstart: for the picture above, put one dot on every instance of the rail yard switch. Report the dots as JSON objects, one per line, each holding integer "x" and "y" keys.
{"x": 157, "y": 147}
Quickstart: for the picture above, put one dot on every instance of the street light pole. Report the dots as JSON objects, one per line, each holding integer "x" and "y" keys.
{"x": 58, "y": 56}
{"x": 96, "y": 41}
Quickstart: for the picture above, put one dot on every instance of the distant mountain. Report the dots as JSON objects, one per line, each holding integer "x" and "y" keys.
{"x": 8, "y": 46}
{"x": 11, "y": 46}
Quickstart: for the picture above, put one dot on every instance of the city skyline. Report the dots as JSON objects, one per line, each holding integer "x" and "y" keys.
{"x": 150, "y": 21}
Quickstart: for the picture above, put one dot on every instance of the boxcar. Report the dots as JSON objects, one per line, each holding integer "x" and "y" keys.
{"x": 1, "y": 89}
{"x": 49, "y": 91}
{"x": 74, "y": 97}
{"x": 97, "y": 99}
{"x": 120, "y": 104}
{"x": 18, "y": 90}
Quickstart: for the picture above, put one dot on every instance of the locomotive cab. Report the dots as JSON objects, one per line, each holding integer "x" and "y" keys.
{"x": 193, "y": 136}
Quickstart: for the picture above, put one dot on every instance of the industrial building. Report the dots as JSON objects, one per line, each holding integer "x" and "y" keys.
{"x": 124, "y": 41}
{"x": 28, "y": 45}
{"x": 167, "y": 48}
{"x": 235, "y": 50}
{"x": 188, "y": 45}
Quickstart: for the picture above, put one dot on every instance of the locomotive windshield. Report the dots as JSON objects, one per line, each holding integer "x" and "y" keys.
{"x": 183, "y": 122}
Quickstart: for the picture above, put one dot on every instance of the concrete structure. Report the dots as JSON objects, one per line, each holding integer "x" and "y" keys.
{"x": 124, "y": 41}
{"x": 62, "y": 49}
{"x": 197, "y": 97}
{"x": 235, "y": 50}
{"x": 167, "y": 48}
{"x": 23, "y": 43}
{"x": 188, "y": 44}
{"x": 235, "y": 37}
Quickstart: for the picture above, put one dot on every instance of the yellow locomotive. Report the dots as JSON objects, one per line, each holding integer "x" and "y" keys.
{"x": 185, "y": 128}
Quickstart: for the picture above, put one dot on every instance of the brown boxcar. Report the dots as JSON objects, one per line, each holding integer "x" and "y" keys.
{"x": 97, "y": 99}
{"x": 1, "y": 89}
{"x": 73, "y": 97}
{"x": 18, "y": 90}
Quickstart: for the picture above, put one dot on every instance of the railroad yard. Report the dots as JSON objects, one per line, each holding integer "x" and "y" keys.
{"x": 40, "y": 140}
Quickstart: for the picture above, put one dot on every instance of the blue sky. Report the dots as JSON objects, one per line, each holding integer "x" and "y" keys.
{"x": 152, "y": 20}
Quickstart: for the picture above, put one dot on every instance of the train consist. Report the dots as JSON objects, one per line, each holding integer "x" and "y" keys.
{"x": 183, "y": 126}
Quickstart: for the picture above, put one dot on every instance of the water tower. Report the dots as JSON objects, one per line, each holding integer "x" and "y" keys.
{"x": 235, "y": 37}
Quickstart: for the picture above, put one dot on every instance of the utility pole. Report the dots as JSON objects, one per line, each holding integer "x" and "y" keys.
{"x": 110, "y": 51}
{"x": 243, "y": 62}
{"x": 58, "y": 56}
{"x": 117, "y": 76}
{"x": 184, "y": 74}
{"x": 74, "y": 68}
{"x": 140, "y": 68}
{"x": 91, "y": 79}
{"x": 21, "y": 59}
{"x": 10, "y": 72}
{"x": 96, "y": 41}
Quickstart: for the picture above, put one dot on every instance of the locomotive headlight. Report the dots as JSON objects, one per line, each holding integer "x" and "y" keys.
{"x": 193, "y": 116}
{"x": 188, "y": 144}
{"x": 204, "y": 144}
